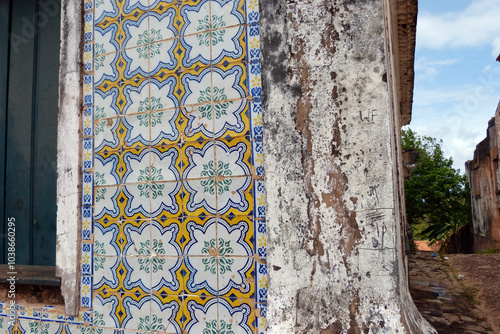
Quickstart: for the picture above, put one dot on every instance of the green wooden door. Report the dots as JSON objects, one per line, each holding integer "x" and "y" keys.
{"x": 29, "y": 69}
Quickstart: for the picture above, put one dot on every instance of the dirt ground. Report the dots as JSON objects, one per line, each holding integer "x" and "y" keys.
{"x": 463, "y": 305}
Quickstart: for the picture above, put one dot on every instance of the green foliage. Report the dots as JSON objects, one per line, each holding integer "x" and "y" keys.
{"x": 436, "y": 194}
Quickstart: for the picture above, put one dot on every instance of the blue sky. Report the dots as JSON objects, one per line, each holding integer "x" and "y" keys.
{"x": 457, "y": 80}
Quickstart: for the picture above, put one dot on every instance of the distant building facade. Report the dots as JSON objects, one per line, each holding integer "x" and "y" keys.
{"x": 483, "y": 175}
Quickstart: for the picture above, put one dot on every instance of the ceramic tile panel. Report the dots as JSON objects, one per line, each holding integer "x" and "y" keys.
{"x": 178, "y": 207}
{"x": 173, "y": 207}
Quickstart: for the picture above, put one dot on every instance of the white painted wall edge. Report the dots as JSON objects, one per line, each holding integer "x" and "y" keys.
{"x": 68, "y": 156}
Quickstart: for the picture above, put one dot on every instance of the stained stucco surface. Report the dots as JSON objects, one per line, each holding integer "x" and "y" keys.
{"x": 334, "y": 251}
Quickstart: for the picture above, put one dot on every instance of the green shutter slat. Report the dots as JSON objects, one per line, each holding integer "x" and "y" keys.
{"x": 18, "y": 164}
{"x": 4, "y": 57}
{"x": 45, "y": 150}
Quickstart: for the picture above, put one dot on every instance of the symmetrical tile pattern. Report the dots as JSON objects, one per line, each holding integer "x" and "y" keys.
{"x": 173, "y": 219}
{"x": 173, "y": 176}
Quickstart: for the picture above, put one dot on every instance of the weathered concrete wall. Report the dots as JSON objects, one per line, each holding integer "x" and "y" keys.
{"x": 331, "y": 165}
{"x": 483, "y": 174}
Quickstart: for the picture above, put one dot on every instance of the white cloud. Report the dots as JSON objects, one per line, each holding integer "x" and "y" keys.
{"x": 427, "y": 70}
{"x": 476, "y": 25}
{"x": 496, "y": 47}
{"x": 424, "y": 97}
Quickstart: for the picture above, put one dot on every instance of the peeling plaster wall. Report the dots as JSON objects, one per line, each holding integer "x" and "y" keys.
{"x": 330, "y": 158}
{"x": 483, "y": 174}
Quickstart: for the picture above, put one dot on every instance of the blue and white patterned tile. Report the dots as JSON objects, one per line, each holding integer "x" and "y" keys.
{"x": 258, "y": 157}
{"x": 88, "y": 122}
{"x": 87, "y": 153}
{"x": 201, "y": 257}
{"x": 165, "y": 161}
{"x": 196, "y": 50}
{"x": 199, "y": 194}
{"x": 237, "y": 316}
{"x": 106, "y": 105}
{"x": 232, "y": 193}
{"x": 86, "y": 259}
{"x": 261, "y": 279}
{"x": 87, "y": 226}
{"x": 252, "y": 9}
{"x": 105, "y": 167}
{"x": 89, "y": 5}
{"x": 201, "y": 316}
{"x": 136, "y": 45}
{"x": 260, "y": 199}
{"x": 140, "y": 5}
{"x": 107, "y": 136}
{"x": 138, "y": 236}
{"x": 104, "y": 307}
{"x": 87, "y": 189}
{"x": 106, "y": 239}
{"x": 200, "y": 160}
{"x": 138, "y": 196}
{"x": 164, "y": 128}
{"x": 168, "y": 311}
{"x": 86, "y": 291}
{"x": 253, "y": 47}
{"x": 199, "y": 124}
{"x": 138, "y": 272}
{"x": 105, "y": 272}
{"x": 138, "y": 129}
{"x": 89, "y": 27}
{"x": 137, "y": 166}
{"x": 167, "y": 254}
{"x": 162, "y": 93}
{"x": 88, "y": 57}
{"x": 106, "y": 203}
{"x": 105, "y": 68}
{"x": 226, "y": 43}
{"x": 164, "y": 202}
{"x": 261, "y": 314}
{"x": 256, "y": 119}
{"x": 254, "y": 81}
{"x": 106, "y": 9}
{"x": 88, "y": 89}
{"x": 229, "y": 11}
{"x": 161, "y": 41}
{"x": 138, "y": 310}
{"x": 137, "y": 98}
{"x": 234, "y": 257}
{"x": 195, "y": 16}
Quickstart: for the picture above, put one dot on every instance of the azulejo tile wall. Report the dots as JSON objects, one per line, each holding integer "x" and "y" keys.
{"x": 173, "y": 219}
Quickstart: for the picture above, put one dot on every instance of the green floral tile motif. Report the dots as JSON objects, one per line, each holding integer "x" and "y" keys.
{"x": 98, "y": 321}
{"x": 1, "y": 322}
{"x": 204, "y": 25}
{"x": 209, "y": 171}
{"x": 156, "y": 104}
{"x": 224, "y": 249}
{"x": 154, "y": 190}
{"x": 155, "y": 119}
{"x": 155, "y": 324}
{"x": 85, "y": 329}
{"x": 99, "y": 181}
{"x": 98, "y": 3}
{"x": 99, "y": 250}
{"x": 220, "y": 109}
{"x": 39, "y": 328}
{"x": 98, "y": 55}
{"x": 99, "y": 114}
{"x": 145, "y": 43}
{"x": 156, "y": 262}
{"x": 211, "y": 328}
